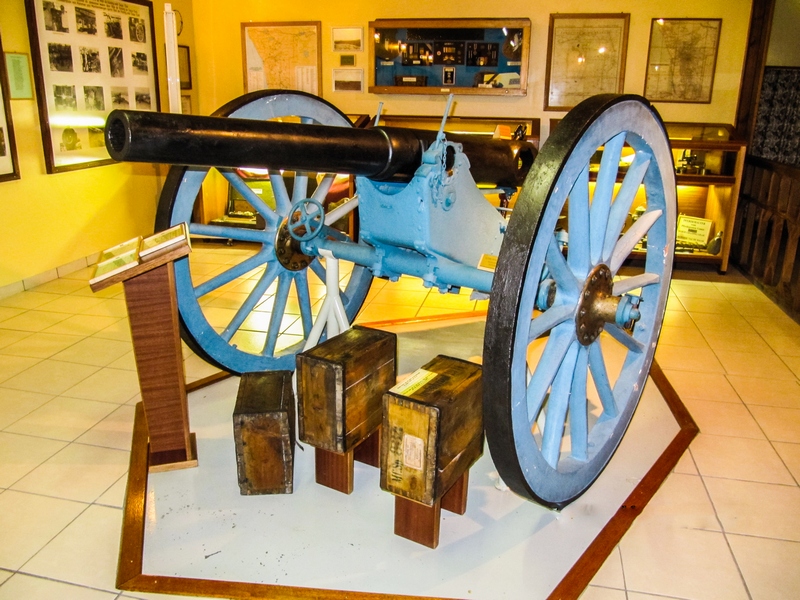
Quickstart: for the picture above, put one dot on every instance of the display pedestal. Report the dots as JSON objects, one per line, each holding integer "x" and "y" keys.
{"x": 153, "y": 313}
{"x": 335, "y": 469}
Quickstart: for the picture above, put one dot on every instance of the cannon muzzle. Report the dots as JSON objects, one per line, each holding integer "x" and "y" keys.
{"x": 379, "y": 153}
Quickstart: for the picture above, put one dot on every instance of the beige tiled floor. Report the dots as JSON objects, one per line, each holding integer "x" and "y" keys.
{"x": 725, "y": 524}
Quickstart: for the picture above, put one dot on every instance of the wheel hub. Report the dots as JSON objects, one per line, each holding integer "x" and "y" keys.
{"x": 288, "y": 251}
{"x": 596, "y": 306}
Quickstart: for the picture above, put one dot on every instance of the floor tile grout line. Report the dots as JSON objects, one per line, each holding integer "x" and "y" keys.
{"x": 53, "y": 579}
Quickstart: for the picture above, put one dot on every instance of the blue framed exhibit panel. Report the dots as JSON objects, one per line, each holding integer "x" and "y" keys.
{"x": 442, "y": 56}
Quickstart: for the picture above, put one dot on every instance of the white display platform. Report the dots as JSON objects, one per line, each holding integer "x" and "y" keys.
{"x": 197, "y": 525}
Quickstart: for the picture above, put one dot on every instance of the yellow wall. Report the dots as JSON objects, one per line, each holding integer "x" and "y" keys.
{"x": 220, "y": 66}
{"x": 52, "y": 220}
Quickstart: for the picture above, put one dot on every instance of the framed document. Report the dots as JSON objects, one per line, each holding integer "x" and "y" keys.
{"x": 9, "y": 166}
{"x": 681, "y": 60}
{"x": 585, "y": 56}
{"x": 283, "y": 55}
{"x": 89, "y": 57}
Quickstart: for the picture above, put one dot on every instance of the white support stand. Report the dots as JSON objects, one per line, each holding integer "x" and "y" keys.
{"x": 173, "y": 71}
{"x": 332, "y": 312}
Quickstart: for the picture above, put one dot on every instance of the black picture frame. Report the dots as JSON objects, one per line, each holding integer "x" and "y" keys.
{"x": 185, "y": 67}
{"x": 88, "y": 59}
{"x": 9, "y": 163}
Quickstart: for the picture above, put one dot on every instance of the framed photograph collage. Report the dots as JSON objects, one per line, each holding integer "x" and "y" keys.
{"x": 89, "y": 57}
{"x": 9, "y": 167}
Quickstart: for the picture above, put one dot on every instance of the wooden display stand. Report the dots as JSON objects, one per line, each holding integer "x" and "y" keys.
{"x": 340, "y": 383}
{"x": 153, "y": 313}
{"x": 433, "y": 434}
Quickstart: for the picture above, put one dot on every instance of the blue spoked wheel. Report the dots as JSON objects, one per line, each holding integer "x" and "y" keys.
{"x": 254, "y": 313}
{"x": 570, "y": 333}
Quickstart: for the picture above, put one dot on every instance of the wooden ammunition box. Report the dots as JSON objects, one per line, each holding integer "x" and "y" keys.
{"x": 263, "y": 429}
{"x": 340, "y": 383}
{"x": 432, "y": 429}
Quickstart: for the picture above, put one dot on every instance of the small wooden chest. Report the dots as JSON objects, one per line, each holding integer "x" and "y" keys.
{"x": 432, "y": 429}
{"x": 263, "y": 429}
{"x": 340, "y": 383}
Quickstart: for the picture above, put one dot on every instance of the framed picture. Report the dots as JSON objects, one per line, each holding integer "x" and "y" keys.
{"x": 186, "y": 104}
{"x": 347, "y": 60}
{"x": 347, "y": 39}
{"x": 348, "y": 80}
{"x": 184, "y": 67}
{"x": 89, "y": 57}
{"x": 284, "y": 55}
{"x": 9, "y": 167}
{"x": 18, "y": 69}
{"x": 681, "y": 60}
{"x": 585, "y": 56}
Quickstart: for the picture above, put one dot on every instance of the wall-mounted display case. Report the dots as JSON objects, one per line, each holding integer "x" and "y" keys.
{"x": 443, "y": 56}
{"x": 709, "y": 161}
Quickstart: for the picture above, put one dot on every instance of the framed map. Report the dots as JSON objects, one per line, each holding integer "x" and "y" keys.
{"x": 585, "y": 56}
{"x": 681, "y": 60}
{"x": 283, "y": 55}
{"x": 89, "y": 57}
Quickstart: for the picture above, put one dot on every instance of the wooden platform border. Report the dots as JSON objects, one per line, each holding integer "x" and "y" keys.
{"x": 131, "y": 578}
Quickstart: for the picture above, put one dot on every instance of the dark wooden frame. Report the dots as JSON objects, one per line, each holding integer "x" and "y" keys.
{"x": 185, "y": 76}
{"x": 44, "y": 95}
{"x": 661, "y": 22}
{"x": 624, "y": 19}
{"x": 316, "y": 25}
{"x": 524, "y": 24}
{"x": 11, "y": 149}
{"x": 129, "y": 567}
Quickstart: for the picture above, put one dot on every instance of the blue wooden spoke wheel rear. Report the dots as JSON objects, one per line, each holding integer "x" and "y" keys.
{"x": 234, "y": 345}
{"x": 563, "y": 372}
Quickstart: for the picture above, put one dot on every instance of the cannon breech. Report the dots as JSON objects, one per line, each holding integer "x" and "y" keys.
{"x": 379, "y": 153}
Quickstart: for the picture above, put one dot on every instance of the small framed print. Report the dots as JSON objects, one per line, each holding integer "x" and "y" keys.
{"x": 184, "y": 67}
{"x": 9, "y": 167}
{"x": 448, "y": 75}
{"x": 89, "y": 57}
{"x": 348, "y": 39}
{"x": 348, "y": 80}
{"x": 18, "y": 67}
{"x": 186, "y": 104}
{"x": 347, "y": 60}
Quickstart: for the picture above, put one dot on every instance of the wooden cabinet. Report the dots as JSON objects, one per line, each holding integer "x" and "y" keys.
{"x": 709, "y": 162}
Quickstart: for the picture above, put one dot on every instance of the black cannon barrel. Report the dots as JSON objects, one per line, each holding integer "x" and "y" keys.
{"x": 379, "y": 153}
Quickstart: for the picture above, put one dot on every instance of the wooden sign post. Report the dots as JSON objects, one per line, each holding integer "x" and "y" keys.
{"x": 153, "y": 313}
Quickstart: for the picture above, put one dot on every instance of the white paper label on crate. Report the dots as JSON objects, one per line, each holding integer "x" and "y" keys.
{"x": 413, "y": 451}
{"x": 413, "y": 382}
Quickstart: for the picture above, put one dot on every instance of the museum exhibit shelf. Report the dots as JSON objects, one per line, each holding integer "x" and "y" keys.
{"x": 709, "y": 163}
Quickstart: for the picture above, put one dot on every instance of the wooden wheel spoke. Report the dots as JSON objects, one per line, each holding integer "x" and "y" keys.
{"x": 228, "y": 233}
{"x": 623, "y": 202}
{"x": 624, "y": 338}
{"x": 578, "y": 214}
{"x": 300, "y": 189}
{"x": 554, "y": 351}
{"x": 549, "y": 319}
{"x": 251, "y": 301}
{"x": 557, "y": 405}
{"x": 237, "y": 183}
{"x": 626, "y": 243}
{"x": 282, "y": 200}
{"x": 603, "y": 193}
{"x": 566, "y": 282}
{"x": 578, "y": 408}
{"x": 597, "y": 366}
{"x": 623, "y": 286}
{"x": 234, "y": 272}
{"x": 304, "y": 299}
{"x": 323, "y": 188}
{"x": 278, "y": 310}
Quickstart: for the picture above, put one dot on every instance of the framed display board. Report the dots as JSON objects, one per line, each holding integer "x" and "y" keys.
{"x": 283, "y": 55}
{"x": 443, "y": 56}
{"x": 681, "y": 60}
{"x": 9, "y": 166}
{"x": 89, "y": 57}
{"x": 585, "y": 56}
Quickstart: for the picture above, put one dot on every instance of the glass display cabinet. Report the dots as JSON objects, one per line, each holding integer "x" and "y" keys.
{"x": 443, "y": 56}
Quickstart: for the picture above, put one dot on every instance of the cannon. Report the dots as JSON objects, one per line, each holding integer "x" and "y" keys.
{"x": 572, "y": 323}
